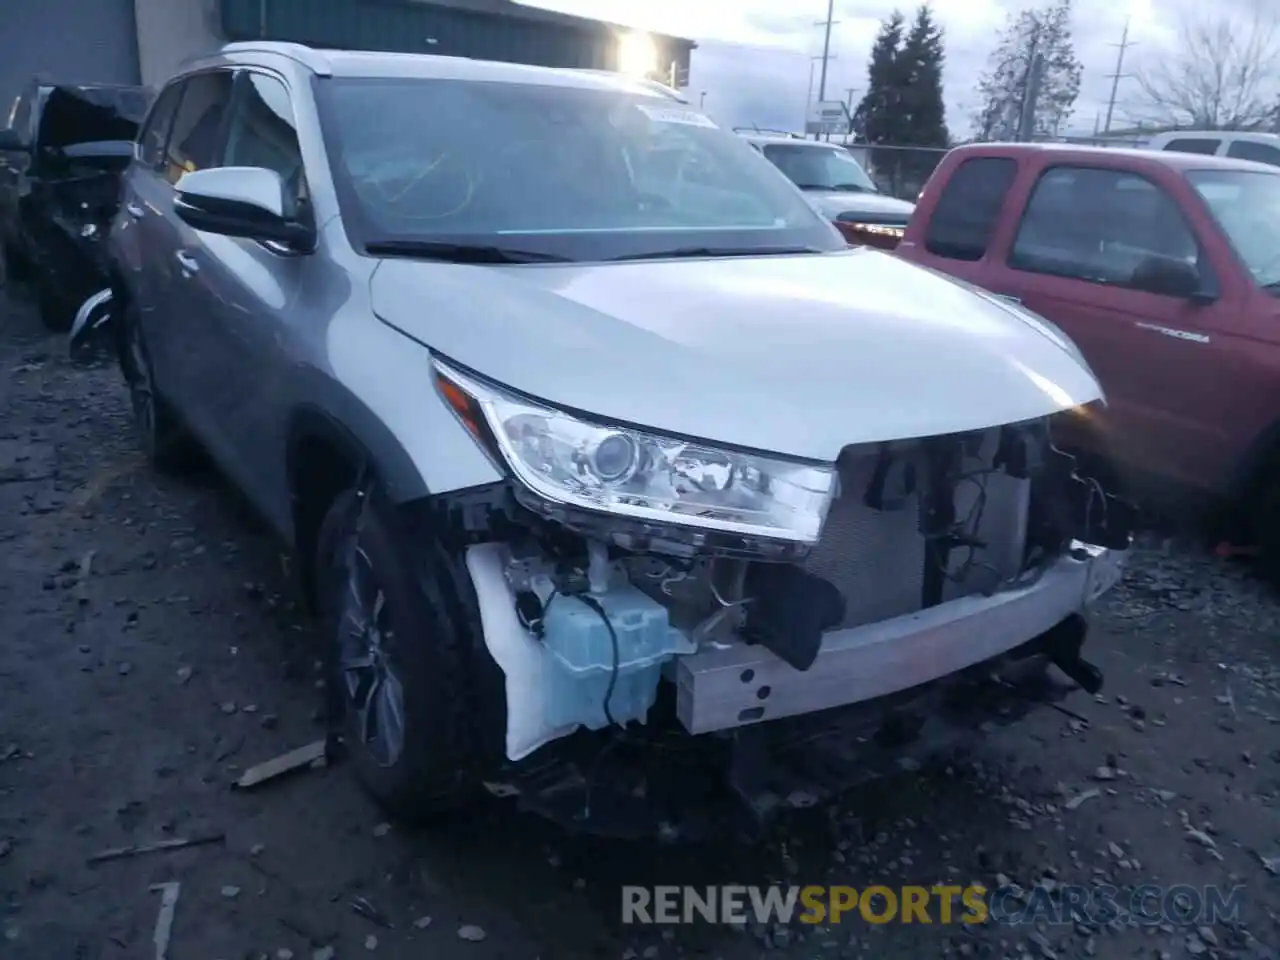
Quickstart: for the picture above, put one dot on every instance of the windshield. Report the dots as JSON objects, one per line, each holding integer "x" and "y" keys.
{"x": 812, "y": 167}
{"x": 1247, "y": 206}
{"x": 555, "y": 170}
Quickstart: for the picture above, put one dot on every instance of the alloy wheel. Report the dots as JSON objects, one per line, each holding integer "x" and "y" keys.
{"x": 142, "y": 394}
{"x": 368, "y": 676}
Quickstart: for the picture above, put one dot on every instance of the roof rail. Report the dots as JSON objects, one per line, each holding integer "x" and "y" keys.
{"x": 309, "y": 57}
{"x": 657, "y": 86}
{"x": 768, "y": 131}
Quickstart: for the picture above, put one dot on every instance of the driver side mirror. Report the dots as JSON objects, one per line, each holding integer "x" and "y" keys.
{"x": 1170, "y": 277}
{"x": 11, "y": 140}
{"x": 244, "y": 202}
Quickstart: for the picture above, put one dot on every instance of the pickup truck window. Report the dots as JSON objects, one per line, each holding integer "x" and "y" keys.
{"x": 969, "y": 207}
{"x": 1257, "y": 152}
{"x": 1099, "y": 225}
{"x": 1193, "y": 145}
{"x": 1247, "y": 207}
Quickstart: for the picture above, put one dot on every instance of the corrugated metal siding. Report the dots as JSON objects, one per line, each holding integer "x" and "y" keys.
{"x": 65, "y": 40}
{"x": 424, "y": 28}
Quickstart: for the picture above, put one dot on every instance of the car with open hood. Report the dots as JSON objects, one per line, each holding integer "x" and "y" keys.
{"x": 619, "y": 484}
{"x": 838, "y": 187}
{"x": 61, "y": 158}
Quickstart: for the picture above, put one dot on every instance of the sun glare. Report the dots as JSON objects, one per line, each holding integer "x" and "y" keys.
{"x": 637, "y": 55}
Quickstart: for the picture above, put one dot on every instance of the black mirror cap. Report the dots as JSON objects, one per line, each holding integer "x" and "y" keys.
{"x": 1170, "y": 277}
{"x": 231, "y": 219}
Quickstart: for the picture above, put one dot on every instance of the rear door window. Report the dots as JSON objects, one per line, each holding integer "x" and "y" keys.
{"x": 196, "y": 138}
{"x": 969, "y": 208}
{"x": 1099, "y": 225}
{"x": 1207, "y": 147}
{"x": 1257, "y": 152}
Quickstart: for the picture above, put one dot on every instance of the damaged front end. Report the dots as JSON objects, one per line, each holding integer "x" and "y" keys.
{"x": 90, "y": 328}
{"x": 810, "y": 625}
{"x": 84, "y": 143}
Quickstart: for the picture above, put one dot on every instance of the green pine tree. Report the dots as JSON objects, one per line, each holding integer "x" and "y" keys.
{"x": 923, "y": 122}
{"x": 876, "y": 119}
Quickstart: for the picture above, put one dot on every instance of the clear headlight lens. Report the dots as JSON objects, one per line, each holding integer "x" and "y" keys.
{"x": 636, "y": 474}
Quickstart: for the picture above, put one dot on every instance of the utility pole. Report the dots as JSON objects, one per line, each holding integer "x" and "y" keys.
{"x": 1027, "y": 122}
{"x": 1024, "y": 121}
{"x": 1122, "y": 46}
{"x": 808, "y": 102}
{"x": 826, "y": 48}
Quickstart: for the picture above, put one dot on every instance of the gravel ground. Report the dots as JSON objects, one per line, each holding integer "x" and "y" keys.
{"x": 152, "y": 650}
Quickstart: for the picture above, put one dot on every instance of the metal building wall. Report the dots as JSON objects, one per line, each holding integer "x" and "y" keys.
{"x": 65, "y": 40}
{"x": 171, "y": 31}
{"x": 451, "y": 28}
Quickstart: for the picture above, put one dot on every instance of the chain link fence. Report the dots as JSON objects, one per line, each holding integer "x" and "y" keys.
{"x": 898, "y": 171}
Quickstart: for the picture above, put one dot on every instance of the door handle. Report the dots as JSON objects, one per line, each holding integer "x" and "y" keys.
{"x": 187, "y": 262}
{"x": 1007, "y": 298}
{"x": 134, "y": 211}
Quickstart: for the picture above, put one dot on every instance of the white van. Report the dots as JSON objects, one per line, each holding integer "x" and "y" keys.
{"x": 1243, "y": 145}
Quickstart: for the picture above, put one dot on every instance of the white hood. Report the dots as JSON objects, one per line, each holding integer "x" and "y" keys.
{"x": 799, "y": 355}
{"x": 873, "y": 206}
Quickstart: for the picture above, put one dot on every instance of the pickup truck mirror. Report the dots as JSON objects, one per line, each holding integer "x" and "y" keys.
{"x": 1169, "y": 277}
{"x": 11, "y": 140}
{"x": 240, "y": 202}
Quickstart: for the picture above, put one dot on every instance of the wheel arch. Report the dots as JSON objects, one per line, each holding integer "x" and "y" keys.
{"x": 323, "y": 457}
{"x": 1260, "y": 459}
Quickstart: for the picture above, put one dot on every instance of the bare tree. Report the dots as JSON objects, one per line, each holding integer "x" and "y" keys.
{"x": 1221, "y": 76}
{"x": 1031, "y": 37}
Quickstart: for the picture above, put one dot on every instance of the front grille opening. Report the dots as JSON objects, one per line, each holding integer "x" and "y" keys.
{"x": 875, "y": 547}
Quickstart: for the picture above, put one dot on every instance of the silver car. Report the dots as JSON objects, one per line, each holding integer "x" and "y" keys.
{"x": 594, "y": 439}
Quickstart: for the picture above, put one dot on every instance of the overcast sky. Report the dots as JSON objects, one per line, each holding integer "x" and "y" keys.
{"x": 754, "y": 55}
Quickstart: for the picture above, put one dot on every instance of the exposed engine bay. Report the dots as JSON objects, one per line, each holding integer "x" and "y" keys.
{"x": 937, "y": 554}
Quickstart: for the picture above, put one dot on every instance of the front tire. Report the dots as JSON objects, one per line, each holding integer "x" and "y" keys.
{"x": 399, "y": 669}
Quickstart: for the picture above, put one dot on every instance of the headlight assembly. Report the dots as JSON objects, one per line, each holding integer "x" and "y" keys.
{"x": 631, "y": 473}
{"x": 886, "y": 230}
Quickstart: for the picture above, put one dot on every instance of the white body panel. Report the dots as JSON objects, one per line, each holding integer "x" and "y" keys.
{"x": 800, "y": 355}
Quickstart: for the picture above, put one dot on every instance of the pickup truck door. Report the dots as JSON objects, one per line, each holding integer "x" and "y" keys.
{"x": 1070, "y": 255}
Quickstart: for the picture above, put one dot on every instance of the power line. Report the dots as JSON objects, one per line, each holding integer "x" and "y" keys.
{"x": 1122, "y": 46}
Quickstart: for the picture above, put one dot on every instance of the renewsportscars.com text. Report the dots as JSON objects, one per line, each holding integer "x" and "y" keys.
{"x": 940, "y": 904}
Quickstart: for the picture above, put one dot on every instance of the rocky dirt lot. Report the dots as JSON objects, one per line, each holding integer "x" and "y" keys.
{"x": 152, "y": 650}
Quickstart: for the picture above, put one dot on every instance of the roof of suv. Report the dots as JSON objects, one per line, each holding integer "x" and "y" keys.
{"x": 379, "y": 64}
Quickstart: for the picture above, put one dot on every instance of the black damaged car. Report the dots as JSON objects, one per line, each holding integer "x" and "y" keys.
{"x": 61, "y": 160}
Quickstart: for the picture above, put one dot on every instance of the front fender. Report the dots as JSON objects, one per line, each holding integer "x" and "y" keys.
{"x": 382, "y": 391}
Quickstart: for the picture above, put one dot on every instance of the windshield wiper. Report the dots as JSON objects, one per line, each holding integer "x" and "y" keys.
{"x": 460, "y": 252}
{"x": 692, "y": 252}
{"x": 853, "y": 188}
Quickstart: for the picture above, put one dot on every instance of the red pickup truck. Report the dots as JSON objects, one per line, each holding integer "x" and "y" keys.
{"x": 1164, "y": 268}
